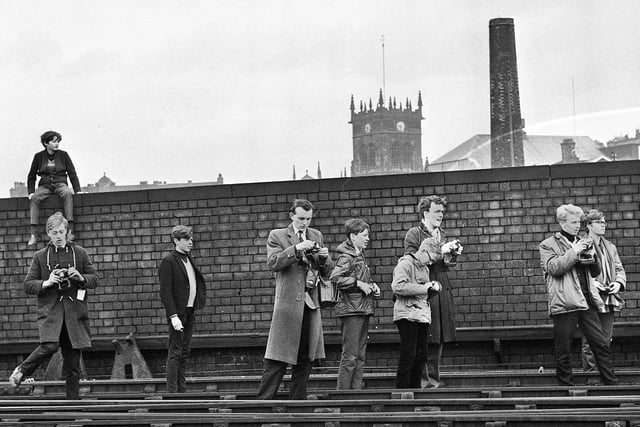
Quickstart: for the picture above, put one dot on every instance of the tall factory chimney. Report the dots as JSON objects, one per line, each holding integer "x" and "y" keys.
{"x": 506, "y": 123}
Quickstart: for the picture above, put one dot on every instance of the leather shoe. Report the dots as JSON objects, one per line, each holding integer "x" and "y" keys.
{"x": 32, "y": 240}
{"x": 16, "y": 377}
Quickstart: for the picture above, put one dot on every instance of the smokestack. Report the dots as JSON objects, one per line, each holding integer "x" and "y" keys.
{"x": 506, "y": 122}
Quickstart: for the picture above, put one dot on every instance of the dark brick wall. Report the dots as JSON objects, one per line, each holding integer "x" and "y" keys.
{"x": 499, "y": 215}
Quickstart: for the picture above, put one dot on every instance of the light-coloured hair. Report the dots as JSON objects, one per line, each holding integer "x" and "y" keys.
{"x": 593, "y": 215}
{"x": 55, "y": 220}
{"x": 431, "y": 247}
{"x": 564, "y": 210}
{"x": 181, "y": 232}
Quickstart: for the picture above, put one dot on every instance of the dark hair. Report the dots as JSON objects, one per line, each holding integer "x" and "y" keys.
{"x": 300, "y": 203}
{"x": 181, "y": 232}
{"x": 49, "y": 136}
{"x": 355, "y": 226}
{"x": 425, "y": 203}
{"x": 592, "y": 215}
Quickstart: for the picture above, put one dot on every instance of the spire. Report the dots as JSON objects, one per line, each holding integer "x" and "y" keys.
{"x": 420, "y": 99}
{"x": 426, "y": 164}
{"x": 394, "y": 102}
{"x": 380, "y": 100}
{"x": 361, "y": 106}
{"x": 319, "y": 171}
{"x": 370, "y": 105}
{"x": 352, "y": 107}
{"x": 294, "y": 172}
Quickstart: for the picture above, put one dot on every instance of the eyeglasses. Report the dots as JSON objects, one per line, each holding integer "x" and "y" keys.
{"x": 601, "y": 222}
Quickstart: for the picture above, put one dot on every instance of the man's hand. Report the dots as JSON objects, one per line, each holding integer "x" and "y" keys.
{"x": 53, "y": 279}
{"x": 581, "y": 245}
{"x": 600, "y": 286}
{"x": 30, "y": 196}
{"x": 177, "y": 324}
{"x": 436, "y": 286}
{"x": 364, "y": 287}
{"x": 450, "y": 246}
{"x": 306, "y": 245}
{"x": 75, "y": 274}
{"x": 614, "y": 287}
{"x": 375, "y": 289}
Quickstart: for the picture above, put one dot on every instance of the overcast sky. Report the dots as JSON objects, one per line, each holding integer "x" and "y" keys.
{"x": 183, "y": 90}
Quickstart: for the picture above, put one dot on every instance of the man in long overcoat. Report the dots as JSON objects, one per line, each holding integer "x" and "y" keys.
{"x": 295, "y": 336}
{"x": 443, "y": 328}
{"x": 60, "y": 275}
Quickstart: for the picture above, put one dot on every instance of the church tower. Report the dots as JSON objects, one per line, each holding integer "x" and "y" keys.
{"x": 387, "y": 139}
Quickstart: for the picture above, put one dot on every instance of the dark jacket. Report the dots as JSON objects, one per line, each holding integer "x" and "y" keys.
{"x": 351, "y": 267}
{"x": 174, "y": 285}
{"x": 443, "y": 327}
{"x": 56, "y": 306}
{"x": 64, "y": 167}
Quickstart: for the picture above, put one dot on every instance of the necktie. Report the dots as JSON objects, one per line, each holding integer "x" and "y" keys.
{"x": 300, "y": 238}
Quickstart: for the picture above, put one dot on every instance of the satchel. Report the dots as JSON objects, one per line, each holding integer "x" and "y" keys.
{"x": 327, "y": 291}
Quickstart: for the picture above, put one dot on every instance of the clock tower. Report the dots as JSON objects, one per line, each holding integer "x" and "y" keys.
{"x": 387, "y": 140}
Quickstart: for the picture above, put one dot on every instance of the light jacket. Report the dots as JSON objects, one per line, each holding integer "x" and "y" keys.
{"x": 558, "y": 260}
{"x": 351, "y": 267}
{"x": 410, "y": 287}
{"x": 288, "y": 307}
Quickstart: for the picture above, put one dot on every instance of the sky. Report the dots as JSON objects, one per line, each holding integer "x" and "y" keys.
{"x": 168, "y": 90}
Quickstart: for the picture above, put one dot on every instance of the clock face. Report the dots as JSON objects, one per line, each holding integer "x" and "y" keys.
{"x": 400, "y": 126}
{"x": 367, "y": 127}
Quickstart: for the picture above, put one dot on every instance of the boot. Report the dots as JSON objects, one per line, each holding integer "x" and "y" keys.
{"x": 16, "y": 377}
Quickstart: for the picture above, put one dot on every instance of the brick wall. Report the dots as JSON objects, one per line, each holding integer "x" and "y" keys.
{"x": 499, "y": 215}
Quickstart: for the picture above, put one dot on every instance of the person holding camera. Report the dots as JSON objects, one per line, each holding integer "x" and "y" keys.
{"x": 352, "y": 277}
{"x": 182, "y": 292}
{"x": 610, "y": 282}
{"x": 60, "y": 275}
{"x": 412, "y": 287}
{"x": 443, "y": 329}
{"x": 52, "y": 165}
{"x": 569, "y": 268}
{"x": 295, "y": 336}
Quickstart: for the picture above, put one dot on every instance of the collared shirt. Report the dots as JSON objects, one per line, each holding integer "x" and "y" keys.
{"x": 297, "y": 232}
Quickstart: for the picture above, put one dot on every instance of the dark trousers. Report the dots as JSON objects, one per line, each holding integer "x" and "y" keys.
{"x": 178, "y": 354}
{"x": 274, "y": 369}
{"x": 43, "y": 192}
{"x": 413, "y": 353}
{"x": 588, "y": 361}
{"x": 589, "y": 324}
{"x": 354, "y": 331}
{"x": 70, "y": 362}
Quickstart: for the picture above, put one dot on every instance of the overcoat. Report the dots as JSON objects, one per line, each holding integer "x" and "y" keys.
{"x": 288, "y": 307}
{"x": 443, "y": 327}
{"x": 174, "y": 285}
{"x": 56, "y": 306}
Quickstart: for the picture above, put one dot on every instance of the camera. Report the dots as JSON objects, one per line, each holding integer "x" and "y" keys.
{"x": 314, "y": 249}
{"x": 451, "y": 258}
{"x": 63, "y": 274}
{"x": 587, "y": 256}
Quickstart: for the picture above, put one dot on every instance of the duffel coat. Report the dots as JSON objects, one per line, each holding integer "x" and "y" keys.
{"x": 56, "y": 306}
{"x": 443, "y": 326}
{"x": 288, "y": 307}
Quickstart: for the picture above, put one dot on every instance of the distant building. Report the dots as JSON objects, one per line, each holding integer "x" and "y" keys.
{"x": 475, "y": 153}
{"x": 624, "y": 148}
{"x": 387, "y": 139}
{"x": 306, "y": 175}
{"x": 105, "y": 184}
